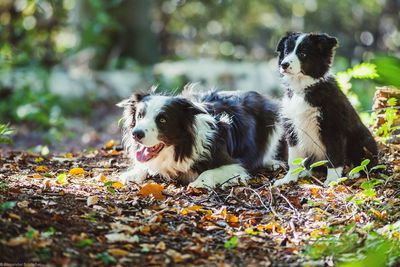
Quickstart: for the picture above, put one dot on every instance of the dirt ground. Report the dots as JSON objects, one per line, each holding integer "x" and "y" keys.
{"x": 67, "y": 209}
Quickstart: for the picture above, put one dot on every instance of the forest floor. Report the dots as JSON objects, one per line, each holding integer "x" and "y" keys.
{"x": 68, "y": 209}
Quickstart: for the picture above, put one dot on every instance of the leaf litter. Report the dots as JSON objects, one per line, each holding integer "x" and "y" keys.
{"x": 96, "y": 220}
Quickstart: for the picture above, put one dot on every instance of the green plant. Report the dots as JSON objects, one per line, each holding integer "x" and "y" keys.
{"x": 349, "y": 247}
{"x": 301, "y": 162}
{"x": 5, "y": 133}
{"x": 390, "y": 116}
{"x": 360, "y": 72}
{"x": 231, "y": 243}
{"x": 363, "y": 167}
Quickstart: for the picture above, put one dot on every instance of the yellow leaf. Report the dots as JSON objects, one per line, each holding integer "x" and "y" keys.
{"x": 118, "y": 252}
{"x": 68, "y": 155}
{"x": 270, "y": 227}
{"x": 110, "y": 144}
{"x": 36, "y": 176}
{"x": 152, "y": 189}
{"x": 193, "y": 208}
{"x": 117, "y": 185}
{"x": 39, "y": 159}
{"x": 62, "y": 179}
{"x": 41, "y": 168}
{"x": 76, "y": 171}
{"x": 101, "y": 178}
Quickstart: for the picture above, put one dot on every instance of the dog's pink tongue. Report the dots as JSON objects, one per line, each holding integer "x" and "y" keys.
{"x": 144, "y": 155}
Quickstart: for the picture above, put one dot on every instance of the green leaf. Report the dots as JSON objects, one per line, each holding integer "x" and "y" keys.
{"x": 62, "y": 179}
{"x": 250, "y": 231}
{"x": 378, "y": 167}
{"x": 85, "y": 243}
{"x": 392, "y": 102}
{"x": 51, "y": 231}
{"x": 298, "y": 170}
{"x": 7, "y": 205}
{"x": 31, "y": 234}
{"x": 91, "y": 216}
{"x": 231, "y": 243}
{"x": 318, "y": 163}
{"x": 356, "y": 170}
{"x": 111, "y": 190}
{"x": 364, "y": 71}
{"x": 369, "y": 192}
{"x": 365, "y": 162}
{"x": 297, "y": 161}
{"x": 105, "y": 258}
{"x": 108, "y": 183}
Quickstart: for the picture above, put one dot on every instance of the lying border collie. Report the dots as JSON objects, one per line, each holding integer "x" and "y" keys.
{"x": 222, "y": 136}
{"x": 319, "y": 121}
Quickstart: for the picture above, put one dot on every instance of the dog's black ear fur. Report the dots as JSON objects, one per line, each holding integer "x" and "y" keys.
{"x": 281, "y": 45}
{"x": 132, "y": 100}
{"x": 324, "y": 41}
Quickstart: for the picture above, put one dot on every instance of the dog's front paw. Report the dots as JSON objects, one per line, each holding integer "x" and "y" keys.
{"x": 289, "y": 177}
{"x": 136, "y": 175}
{"x": 224, "y": 176}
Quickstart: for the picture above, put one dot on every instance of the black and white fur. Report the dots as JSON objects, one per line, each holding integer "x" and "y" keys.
{"x": 203, "y": 142}
{"x": 319, "y": 121}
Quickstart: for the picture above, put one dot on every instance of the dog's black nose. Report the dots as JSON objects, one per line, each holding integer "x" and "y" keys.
{"x": 138, "y": 134}
{"x": 285, "y": 65}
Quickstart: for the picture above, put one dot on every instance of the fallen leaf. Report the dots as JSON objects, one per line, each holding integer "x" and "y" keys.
{"x": 92, "y": 200}
{"x": 152, "y": 189}
{"x": 101, "y": 178}
{"x": 110, "y": 144}
{"x": 17, "y": 241}
{"x": 41, "y": 168}
{"x": 193, "y": 208}
{"x": 23, "y": 204}
{"x": 161, "y": 245}
{"x": 120, "y": 237}
{"x": 77, "y": 171}
{"x": 14, "y": 216}
{"x": 61, "y": 179}
{"x": 36, "y": 176}
{"x": 118, "y": 252}
{"x": 117, "y": 185}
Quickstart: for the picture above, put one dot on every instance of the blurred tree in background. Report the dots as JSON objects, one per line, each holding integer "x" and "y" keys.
{"x": 39, "y": 37}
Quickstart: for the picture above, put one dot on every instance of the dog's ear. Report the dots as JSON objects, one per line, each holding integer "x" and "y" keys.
{"x": 281, "y": 45}
{"x": 324, "y": 41}
{"x": 132, "y": 100}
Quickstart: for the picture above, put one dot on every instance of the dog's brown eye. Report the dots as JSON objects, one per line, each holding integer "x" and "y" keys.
{"x": 302, "y": 55}
{"x": 140, "y": 115}
{"x": 162, "y": 120}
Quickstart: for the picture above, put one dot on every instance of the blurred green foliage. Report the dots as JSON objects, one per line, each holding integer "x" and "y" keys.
{"x": 349, "y": 247}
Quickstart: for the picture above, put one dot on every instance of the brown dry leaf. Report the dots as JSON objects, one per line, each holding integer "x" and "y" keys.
{"x": 118, "y": 252}
{"x": 17, "y": 241}
{"x": 153, "y": 189}
{"x": 77, "y": 171}
{"x": 23, "y": 204}
{"x": 41, "y": 168}
{"x": 36, "y": 176}
{"x": 161, "y": 246}
{"x": 92, "y": 200}
{"x": 14, "y": 216}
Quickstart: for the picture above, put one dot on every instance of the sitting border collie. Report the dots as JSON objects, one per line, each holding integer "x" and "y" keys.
{"x": 318, "y": 120}
{"x": 219, "y": 138}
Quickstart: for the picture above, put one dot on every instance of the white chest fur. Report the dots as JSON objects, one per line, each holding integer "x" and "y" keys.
{"x": 305, "y": 119}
